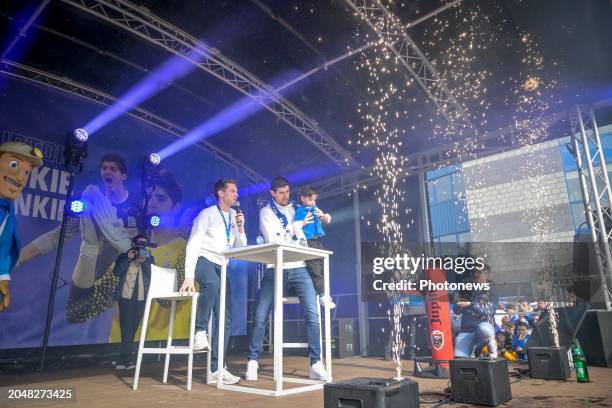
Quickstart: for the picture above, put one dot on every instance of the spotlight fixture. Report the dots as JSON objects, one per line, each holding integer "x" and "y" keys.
{"x": 75, "y": 150}
{"x": 154, "y": 220}
{"x": 81, "y": 135}
{"x": 154, "y": 158}
{"x": 77, "y": 206}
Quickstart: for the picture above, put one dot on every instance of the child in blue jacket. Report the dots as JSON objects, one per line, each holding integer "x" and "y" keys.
{"x": 312, "y": 219}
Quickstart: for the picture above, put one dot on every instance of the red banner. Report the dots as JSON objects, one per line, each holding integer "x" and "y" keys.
{"x": 441, "y": 334}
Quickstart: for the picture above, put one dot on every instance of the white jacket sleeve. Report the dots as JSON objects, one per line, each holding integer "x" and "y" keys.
{"x": 298, "y": 229}
{"x": 269, "y": 224}
{"x": 198, "y": 231}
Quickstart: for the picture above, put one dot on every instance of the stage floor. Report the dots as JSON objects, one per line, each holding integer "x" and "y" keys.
{"x": 105, "y": 387}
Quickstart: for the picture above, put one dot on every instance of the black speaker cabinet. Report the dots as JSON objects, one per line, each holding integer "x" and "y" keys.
{"x": 480, "y": 381}
{"x": 549, "y": 363}
{"x": 366, "y": 392}
{"x": 595, "y": 337}
{"x": 345, "y": 331}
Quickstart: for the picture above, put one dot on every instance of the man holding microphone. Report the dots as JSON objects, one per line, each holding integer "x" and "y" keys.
{"x": 216, "y": 229}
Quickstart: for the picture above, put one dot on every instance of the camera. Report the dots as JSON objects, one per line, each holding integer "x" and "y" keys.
{"x": 142, "y": 249}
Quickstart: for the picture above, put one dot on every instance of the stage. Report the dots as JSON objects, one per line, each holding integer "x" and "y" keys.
{"x": 105, "y": 387}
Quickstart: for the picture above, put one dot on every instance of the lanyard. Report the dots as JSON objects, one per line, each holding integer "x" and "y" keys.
{"x": 281, "y": 217}
{"x": 228, "y": 224}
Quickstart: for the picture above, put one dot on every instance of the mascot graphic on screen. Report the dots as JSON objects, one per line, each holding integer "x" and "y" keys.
{"x": 16, "y": 163}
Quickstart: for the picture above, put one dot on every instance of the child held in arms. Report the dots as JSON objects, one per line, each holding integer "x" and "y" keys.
{"x": 520, "y": 341}
{"x": 311, "y": 219}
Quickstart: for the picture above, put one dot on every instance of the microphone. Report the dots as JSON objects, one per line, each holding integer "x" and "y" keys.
{"x": 238, "y": 211}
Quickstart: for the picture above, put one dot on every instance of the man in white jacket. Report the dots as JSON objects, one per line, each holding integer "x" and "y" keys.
{"x": 214, "y": 230}
{"x": 277, "y": 224}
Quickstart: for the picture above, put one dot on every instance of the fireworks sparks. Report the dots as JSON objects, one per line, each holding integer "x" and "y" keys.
{"x": 531, "y": 84}
{"x": 455, "y": 45}
{"x": 458, "y": 59}
{"x": 381, "y": 115}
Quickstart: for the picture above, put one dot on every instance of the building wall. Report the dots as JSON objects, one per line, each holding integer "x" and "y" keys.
{"x": 505, "y": 195}
{"x": 504, "y": 203}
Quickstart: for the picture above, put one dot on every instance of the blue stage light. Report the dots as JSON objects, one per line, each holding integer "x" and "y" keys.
{"x": 77, "y": 206}
{"x": 154, "y": 158}
{"x": 81, "y": 135}
{"x": 167, "y": 73}
{"x": 154, "y": 221}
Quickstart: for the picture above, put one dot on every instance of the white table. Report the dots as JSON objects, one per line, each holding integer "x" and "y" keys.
{"x": 276, "y": 254}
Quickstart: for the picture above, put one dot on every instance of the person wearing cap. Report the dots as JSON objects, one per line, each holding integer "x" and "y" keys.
{"x": 16, "y": 163}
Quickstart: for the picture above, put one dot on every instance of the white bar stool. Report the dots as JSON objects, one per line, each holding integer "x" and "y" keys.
{"x": 163, "y": 286}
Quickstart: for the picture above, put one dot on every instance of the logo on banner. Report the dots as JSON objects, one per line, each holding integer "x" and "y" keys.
{"x": 437, "y": 340}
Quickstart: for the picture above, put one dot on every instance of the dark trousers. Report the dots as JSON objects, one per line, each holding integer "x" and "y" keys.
{"x": 315, "y": 267}
{"x": 208, "y": 275}
{"x": 130, "y": 316}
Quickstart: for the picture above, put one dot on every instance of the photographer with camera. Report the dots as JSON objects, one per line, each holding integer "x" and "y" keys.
{"x": 133, "y": 271}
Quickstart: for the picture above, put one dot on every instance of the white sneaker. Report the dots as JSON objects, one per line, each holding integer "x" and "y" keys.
{"x": 326, "y": 301}
{"x": 251, "y": 372}
{"x": 227, "y": 377}
{"x": 317, "y": 372}
{"x": 201, "y": 341}
{"x": 120, "y": 367}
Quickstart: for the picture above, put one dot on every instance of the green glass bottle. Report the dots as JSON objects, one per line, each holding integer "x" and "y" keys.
{"x": 580, "y": 364}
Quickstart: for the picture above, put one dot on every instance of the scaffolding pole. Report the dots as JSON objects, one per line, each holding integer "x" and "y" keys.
{"x": 362, "y": 307}
{"x": 596, "y": 192}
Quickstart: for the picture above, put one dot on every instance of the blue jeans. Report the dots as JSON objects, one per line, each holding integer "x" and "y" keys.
{"x": 208, "y": 275}
{"x": 300, "y": 282}
{"x": 466, "y": 341}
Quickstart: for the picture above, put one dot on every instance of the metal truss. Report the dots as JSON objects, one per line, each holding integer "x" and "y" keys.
{"x": 139, "y": 21}
{"x": 391, "y": 30}
{"x": 596, "y": 192}
{"x": 64, "y": 84}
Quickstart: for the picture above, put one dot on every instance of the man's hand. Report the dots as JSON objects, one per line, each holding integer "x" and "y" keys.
{"x": 105, "y": 217}
{"x": 5, "y": 296}
{"x": 463, "y": 304}
{"x": 308, "y": 220}
{"x": 326, "y": 218}
{"x": 131, "y": 254}
{"x": 188, "y": 286}
{"x": 240, "y": 222}
{"x": 91, "y": 193}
